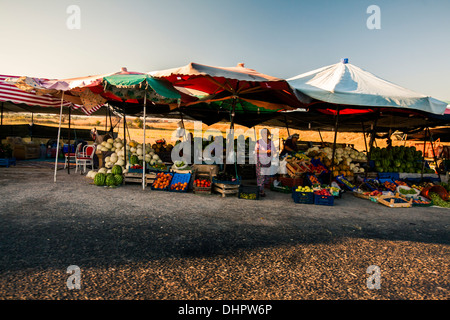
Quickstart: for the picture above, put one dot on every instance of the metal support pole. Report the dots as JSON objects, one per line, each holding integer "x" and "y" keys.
{"x": 1, "y": 130}
{"x": 423, "y": 153}
{"x": 68, "y": 151}
{"x": 336, "y": 128}
{"x": 143, "y": 145}
{"x": 320, "y": 135}
{"x": 125, "y": 139}
{"x": 434, "y": 153}
{"x": 287, "y": 126}
{"x": 59, "y": 135}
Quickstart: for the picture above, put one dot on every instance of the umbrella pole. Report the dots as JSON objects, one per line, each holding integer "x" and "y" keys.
{"x": 59, "y": 135}
{"x": 143, "y": 146}
{"x": 1, "y": 131}
{"x": 365, "y": 144}
{"x": 320, "y": 135}
{"x": 372, "y": 138}
{"x": 336, "y": 126}
{"x": 423, "y": 153}
{"x": 287, "y": 126}
{"x": 434, "y": 153}
{"x": 68, "y": 138}
{"x": 232, "y": 127}
{"x": 111, "y": 128}
{"x": 125, "y": 139}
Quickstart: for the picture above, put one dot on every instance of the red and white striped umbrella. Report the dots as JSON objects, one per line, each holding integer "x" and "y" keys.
{"x": 10, "y": 93}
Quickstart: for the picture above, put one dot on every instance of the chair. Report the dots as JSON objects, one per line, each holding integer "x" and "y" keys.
{"x": 86, "y": 158}
{"x": 72, "y": 156}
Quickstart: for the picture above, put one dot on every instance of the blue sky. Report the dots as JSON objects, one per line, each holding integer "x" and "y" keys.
{"x": 279, "y": 38}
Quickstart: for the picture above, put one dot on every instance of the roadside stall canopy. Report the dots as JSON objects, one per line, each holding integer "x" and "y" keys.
{"x": 13, "y": 99}
{"x": 237, "y": 90}
{"x": 346, "y": 85}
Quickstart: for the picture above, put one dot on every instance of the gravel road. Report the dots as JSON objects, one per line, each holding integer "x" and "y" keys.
{"x": 135, "y": 244}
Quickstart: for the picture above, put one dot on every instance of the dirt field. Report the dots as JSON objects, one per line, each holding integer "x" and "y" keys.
{"x": 135, "y": 244}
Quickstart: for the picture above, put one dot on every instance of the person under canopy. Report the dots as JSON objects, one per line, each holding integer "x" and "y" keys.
{"x": 290, "y": 145}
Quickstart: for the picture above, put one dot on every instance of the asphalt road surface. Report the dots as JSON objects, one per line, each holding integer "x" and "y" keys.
{"x": 130, "y": 243}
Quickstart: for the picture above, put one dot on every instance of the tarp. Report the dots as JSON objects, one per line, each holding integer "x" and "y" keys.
{"x": 345, "y": 84}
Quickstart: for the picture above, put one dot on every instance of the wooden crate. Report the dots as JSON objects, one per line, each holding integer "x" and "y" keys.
{"x": 389, "y": 201}
{"x": 137, "y": 178}
{"x": 226, "y": 189}
{"x": 202, "y": 175}
{"x": 295, "y": 169}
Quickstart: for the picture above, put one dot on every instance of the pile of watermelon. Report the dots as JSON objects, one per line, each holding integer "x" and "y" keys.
{"x": 115, "y": 178}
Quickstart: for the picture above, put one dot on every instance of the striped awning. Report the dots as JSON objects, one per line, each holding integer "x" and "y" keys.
{"x": 11, "y": 93}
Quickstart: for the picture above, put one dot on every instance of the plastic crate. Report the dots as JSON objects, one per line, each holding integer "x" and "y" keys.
{"x": 7, "y": 162}
{"x": 164, "y": 189}
{"x": 389, "y": 175}
{"x": 182, "y": 178}
{"x": 236, "y": 182}
{"x": 133, "y": 170}
{"x": 345, "y": 183}
{"x": 250, "y": 190}
{"x": 309, "y": 180}
{"x": 322, "y": 200}
{"x": 303, "y": 197}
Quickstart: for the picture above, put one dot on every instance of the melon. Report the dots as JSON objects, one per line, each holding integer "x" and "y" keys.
{"x": 119, "y": 179}
{"x": 110, "y": 180}
{"x": 116, "y": 170}
{"x": 134, "y": 160}
{"x": 100, "y": 179}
